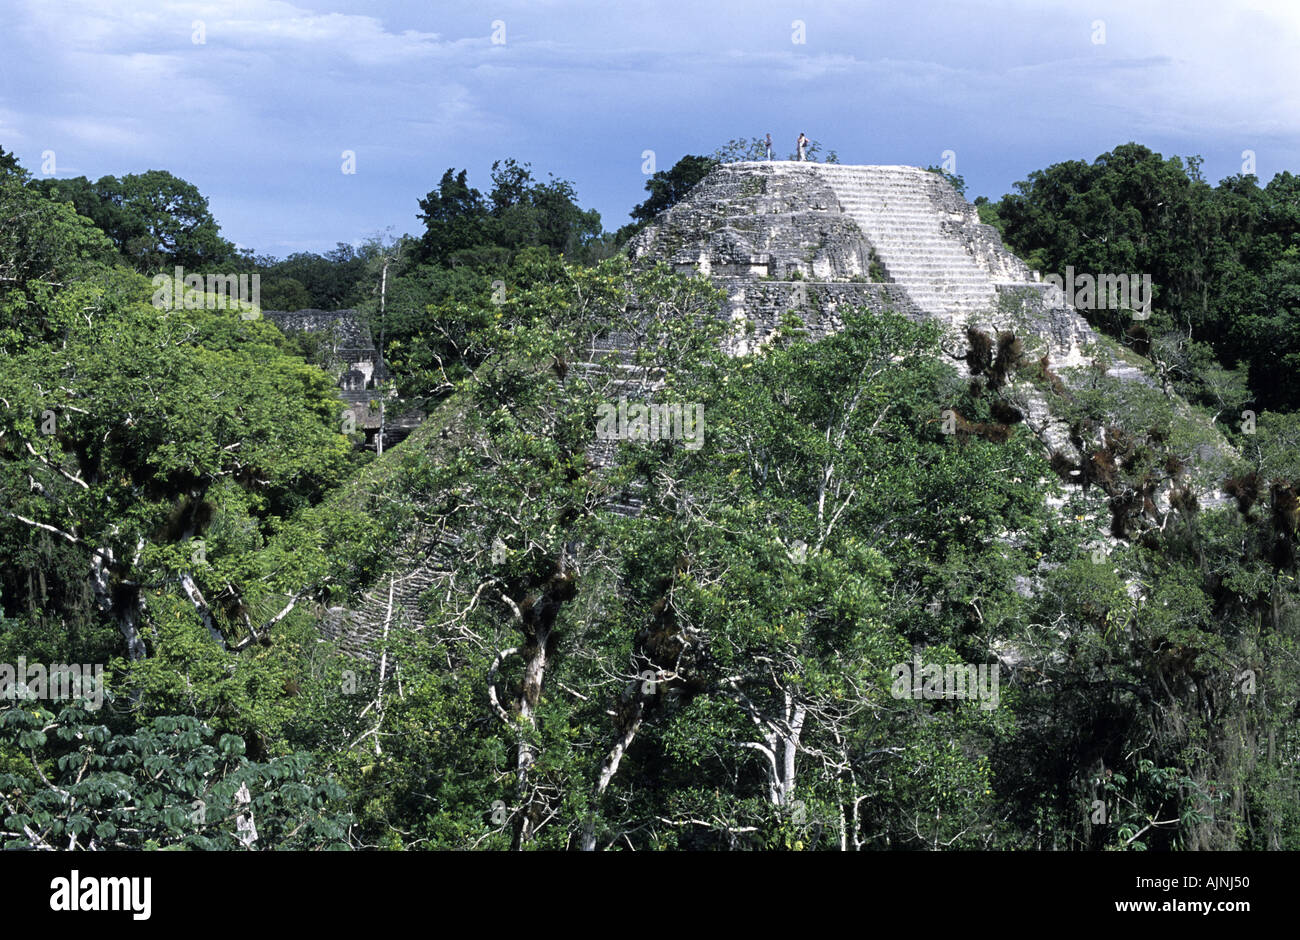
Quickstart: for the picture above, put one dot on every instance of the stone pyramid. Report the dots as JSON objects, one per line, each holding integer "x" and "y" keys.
{"x": 815, "y": 237}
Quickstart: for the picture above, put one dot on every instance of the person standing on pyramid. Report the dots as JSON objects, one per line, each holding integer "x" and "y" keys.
{"x": 769, "y": 146}
{"x": 802, "y": 144}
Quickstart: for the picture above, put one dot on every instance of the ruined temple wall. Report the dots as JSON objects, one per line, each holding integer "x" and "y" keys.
{"x": 815, "y": 237}
{"x": 356, "y": 358}
{"x": 348, "y": 329}
{"x": 737, "y": 223}
{"x": 820, "y": 304}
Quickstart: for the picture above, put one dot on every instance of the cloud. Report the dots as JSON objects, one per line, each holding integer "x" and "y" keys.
{"x": 258, "y": 114}
{"x": 113, "y": 26}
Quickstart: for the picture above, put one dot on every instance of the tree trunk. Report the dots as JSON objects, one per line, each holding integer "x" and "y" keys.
{"x": 127, "y": 616}
{"x": 526, "y": 754}
{"x": 607, "y": 770}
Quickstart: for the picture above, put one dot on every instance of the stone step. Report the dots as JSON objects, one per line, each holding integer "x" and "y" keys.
{"x": 901, "y": 214}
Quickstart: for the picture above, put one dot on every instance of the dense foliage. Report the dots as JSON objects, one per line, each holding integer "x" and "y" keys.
{"x": 180, "y": 503}
{"x": 1224, "y": 260}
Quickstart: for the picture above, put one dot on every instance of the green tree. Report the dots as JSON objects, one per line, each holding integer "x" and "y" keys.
{"x": 462, "y": 227}
{"x": 71, "y": 783}
{"x": 156, "y": 220}
{"x": 1221, "y": 259}
{"x": 668, "y": 187}
{"x": 10, "y": 168}
{"x": 130, "y": 431}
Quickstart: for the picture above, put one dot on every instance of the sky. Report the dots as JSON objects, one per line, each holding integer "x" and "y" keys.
{"x": 257, "y": 101}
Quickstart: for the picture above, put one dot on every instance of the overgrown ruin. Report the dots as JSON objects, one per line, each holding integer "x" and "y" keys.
{"x": 814, "y": 240}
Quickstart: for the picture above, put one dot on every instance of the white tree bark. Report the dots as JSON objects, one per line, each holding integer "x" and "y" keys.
{"x": 780, "y": 745}
{"x": 201, "y": 606}
{"x": 608, "y": 768}
{"x": 128, "y": 618}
